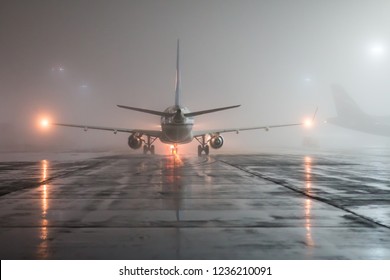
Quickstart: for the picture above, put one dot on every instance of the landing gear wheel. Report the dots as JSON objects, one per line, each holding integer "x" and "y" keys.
{"x": 203, "y": 145}
{"x": 206, "y": 150}
{"x": 148, "y": 147}
{"x": 199, "y": 150}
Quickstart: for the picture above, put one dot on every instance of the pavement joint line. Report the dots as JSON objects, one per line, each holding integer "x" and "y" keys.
{"x": 60, "y": 175}
{"x": 177, "y": 225}
{"x": 314, "y": 197}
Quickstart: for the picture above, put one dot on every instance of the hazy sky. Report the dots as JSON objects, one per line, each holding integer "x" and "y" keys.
{"x": 75, "y": 60}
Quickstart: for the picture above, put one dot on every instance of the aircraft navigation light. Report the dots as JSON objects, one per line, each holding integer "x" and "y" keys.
{"x": 44, "y": 123}
{"x": 308, "y": 123}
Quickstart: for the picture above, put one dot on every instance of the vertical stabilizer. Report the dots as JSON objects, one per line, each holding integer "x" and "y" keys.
{"x": 178, "y": 79}
{"x": 346, "y": 107}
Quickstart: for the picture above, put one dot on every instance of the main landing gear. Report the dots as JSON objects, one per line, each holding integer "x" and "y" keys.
{"x": 148, "y": 147}
{"x": 203, "y": 147}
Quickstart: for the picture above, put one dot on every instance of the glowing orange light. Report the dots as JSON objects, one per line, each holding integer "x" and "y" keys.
{"x": 308, "y": 123}
{"x": 44, "y": 123}
{"x": 173, "y": 150}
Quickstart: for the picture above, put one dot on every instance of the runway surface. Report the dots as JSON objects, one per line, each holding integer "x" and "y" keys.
{"x": 269, "y": 206}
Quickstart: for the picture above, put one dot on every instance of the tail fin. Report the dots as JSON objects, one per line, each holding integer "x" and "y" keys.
{"x": 346, "y": 107}
{"x": 178, "y": 78}
{"x": 177, "y": 98}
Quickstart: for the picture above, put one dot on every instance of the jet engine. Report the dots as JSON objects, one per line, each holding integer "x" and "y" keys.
{"x": 135, "y": 142}
{"x": 216, "y": 142}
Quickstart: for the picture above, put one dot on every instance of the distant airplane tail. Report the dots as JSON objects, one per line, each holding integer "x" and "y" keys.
{"x": 346, "y": 107}
{"x": 349, "y": 115}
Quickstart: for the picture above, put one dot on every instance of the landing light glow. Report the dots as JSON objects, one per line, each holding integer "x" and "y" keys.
{"x": 308, "y": 123}
{"x": 44, "y": 123}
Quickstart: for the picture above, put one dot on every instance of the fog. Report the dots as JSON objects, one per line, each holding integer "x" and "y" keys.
{"x": 73, "y": 61}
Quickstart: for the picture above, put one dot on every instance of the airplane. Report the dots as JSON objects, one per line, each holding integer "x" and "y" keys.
{"x": 176, "y": 125}
{"x": 351, "y": 116}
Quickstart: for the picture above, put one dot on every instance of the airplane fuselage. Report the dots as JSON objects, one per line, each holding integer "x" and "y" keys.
{"x": 176, "y": 129}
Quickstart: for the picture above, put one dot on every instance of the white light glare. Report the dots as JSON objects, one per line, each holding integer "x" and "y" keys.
{"x": 58, "y": 69}
{"x": 308, "y": 123}
{"x": 44, "y": 123}
{"x": 377, "y": 50}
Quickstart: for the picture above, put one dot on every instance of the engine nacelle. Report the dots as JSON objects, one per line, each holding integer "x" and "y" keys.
{"x": 216, "y": 142}
{"x": 135, "y": 142}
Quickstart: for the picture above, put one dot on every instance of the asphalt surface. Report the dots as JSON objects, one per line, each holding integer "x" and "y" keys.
{"x": 269, "y": 206}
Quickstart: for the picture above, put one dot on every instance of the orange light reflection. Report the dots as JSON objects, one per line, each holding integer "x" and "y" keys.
{"x": 43, "y": 246}
{"x": 308, "y": 225}
{"x": 308, "y": 174}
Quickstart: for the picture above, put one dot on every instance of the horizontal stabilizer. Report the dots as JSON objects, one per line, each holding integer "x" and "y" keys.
{"x": 193, "y": 114}
{"x": 158, "y": 113}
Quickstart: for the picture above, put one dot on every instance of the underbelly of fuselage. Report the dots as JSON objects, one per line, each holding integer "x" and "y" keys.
{"x": 176, "y": 133}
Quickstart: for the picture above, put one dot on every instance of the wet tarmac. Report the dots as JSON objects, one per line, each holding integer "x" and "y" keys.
{"x": 269, "y": 206}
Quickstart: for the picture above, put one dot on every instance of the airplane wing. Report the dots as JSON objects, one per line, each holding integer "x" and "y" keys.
{"x": 308, "y": 122}
{"x": 153, "y": 133}
{"x": 237, "y": 130}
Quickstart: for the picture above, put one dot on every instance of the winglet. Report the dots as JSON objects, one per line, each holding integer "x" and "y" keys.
{"x": 315, "y": 113}
{"x": 178, "y": 78}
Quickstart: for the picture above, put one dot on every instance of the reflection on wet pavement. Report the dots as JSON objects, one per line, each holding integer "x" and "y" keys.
{"x": 182, "y": 207}
{"x": 308, "y": 201}
{"x": 43, "y": 246}
{"x": 309, "y": 238}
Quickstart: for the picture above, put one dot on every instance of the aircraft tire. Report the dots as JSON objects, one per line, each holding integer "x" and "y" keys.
{"x": 199, "y": 150}
{"x": 207, "y": 150}
{"x": 145, "y": 149}
{"x": 152, "y": 150}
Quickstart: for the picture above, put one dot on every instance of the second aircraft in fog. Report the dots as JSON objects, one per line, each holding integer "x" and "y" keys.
{"x": 176, "y": 125}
